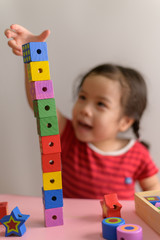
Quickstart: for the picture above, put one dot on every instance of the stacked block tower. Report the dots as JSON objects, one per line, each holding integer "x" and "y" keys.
{"x": 41, "y": 88}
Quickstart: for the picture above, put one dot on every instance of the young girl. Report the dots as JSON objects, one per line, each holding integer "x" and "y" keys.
{"x": 95, "y": 160}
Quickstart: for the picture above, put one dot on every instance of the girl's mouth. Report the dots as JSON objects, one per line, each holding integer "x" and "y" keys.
{"x": 85, "y": 125}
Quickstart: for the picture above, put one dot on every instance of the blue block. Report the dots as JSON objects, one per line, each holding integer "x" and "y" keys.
{"x": 154, "y": 202}
{"x": 109, "y": 227}
{"x": 52, "y": 198}
{"x": 35, "y": 52}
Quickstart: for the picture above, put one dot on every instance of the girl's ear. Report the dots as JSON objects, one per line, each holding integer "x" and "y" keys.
{"x": 126, "y": 123}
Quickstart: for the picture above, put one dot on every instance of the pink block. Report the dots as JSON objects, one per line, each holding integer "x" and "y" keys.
{"x": 53, "y": 217}
{"x": 129, "y": 232}
{"x": 157, "y": 204}
{"x": 41, "y": 89}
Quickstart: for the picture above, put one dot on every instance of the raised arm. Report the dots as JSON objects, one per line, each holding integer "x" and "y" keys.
{"x": 18, "y": 36}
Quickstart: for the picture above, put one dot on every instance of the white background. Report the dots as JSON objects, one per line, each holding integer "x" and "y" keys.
{"x": 84, "y": 33}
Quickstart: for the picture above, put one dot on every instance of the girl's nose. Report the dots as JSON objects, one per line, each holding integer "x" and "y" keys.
{"x": 86, "y": 110}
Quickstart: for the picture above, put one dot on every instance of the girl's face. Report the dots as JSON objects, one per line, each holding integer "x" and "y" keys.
{"x": 97, "y": 113}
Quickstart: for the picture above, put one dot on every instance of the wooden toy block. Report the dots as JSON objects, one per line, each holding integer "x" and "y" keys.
{"x": 47, "y": 126}
{"x": 3, "y": 209}
{"x": 14, "y": 223}
{"x": 153, "y": 199}
{"x": 52, "y": 181}
{"x": 52, "y": 198}
{"x": 34, "y": 52}
{"x": 41, "y": 89}
{"x": 38, "y": 71}
{"x": 50, "y": 144}
{"x": 109, "y": 227}
{"x": 129, "y": 232}
{"x": 110, "y": 206}
{"x": 44, "y": 108}
{"x": 53, "y": 217}
{"x": 51, "y": 162}
{"x": 146, "y": 210}
{"x": 157, "y": 204}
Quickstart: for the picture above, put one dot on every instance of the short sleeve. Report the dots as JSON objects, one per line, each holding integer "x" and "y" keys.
{"x": 147, "y": 167}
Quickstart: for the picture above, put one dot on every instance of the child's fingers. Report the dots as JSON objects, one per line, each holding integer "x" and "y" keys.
{"x": 12, "y": 43}
{"x": 43, "y": 36}
{"x": 10, "y": 34}
{"x": 18, "y": 28}
{"x": 16, "y": 52}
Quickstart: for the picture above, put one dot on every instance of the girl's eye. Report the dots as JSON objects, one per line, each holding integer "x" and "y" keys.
{"x": 101, "y": 104}
{"x": 82, "y": 97}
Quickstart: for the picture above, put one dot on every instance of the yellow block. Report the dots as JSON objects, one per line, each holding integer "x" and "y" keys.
{"x": 38, "y": 71}
{"x": 52, "y": 180}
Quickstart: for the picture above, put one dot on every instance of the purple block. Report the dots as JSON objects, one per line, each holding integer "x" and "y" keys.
{"x": 53, "y": 217}
{"x": 129, "y": 232}
{"x": 157, "y": 204}
{"x": 41, "y": 89}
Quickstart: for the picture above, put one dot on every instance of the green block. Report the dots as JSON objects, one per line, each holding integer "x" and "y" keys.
{"x": 44, "y": 108}
{"x": 47, "y": 126}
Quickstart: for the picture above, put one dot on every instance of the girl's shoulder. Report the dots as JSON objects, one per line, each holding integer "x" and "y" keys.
{"x": 141, "y": 146}
{"x": 140, "y": 151}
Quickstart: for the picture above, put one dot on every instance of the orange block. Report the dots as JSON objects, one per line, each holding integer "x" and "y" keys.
{"x": 51, "y": 162}
{"x": 111, "y": 206}
{"x": 3, "y": 209}
{"x": 50, "y": 144}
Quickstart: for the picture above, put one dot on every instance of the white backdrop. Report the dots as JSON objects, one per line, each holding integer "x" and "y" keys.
{"x": 84, "y": 33}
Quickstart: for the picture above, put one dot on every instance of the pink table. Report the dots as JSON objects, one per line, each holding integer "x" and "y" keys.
{"x": 82, "y": 219}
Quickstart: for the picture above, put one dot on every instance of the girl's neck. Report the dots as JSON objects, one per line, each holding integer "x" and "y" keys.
{"x": 111, "y": 146}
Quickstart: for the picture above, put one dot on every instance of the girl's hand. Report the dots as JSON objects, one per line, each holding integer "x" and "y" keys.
{"x": 21, "y": 35}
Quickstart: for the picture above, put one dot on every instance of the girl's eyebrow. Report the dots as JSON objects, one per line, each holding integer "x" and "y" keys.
{"x": 104, "y": 99}
{"x": 82, "y": 91}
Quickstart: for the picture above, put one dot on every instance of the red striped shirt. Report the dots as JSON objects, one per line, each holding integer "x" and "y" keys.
{"x": 89, "y": 174}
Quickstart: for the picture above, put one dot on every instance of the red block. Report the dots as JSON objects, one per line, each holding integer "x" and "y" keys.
{"x": 51, "y": 162}
{"x": 50, "y": 144}
{"x": 3, "y": 209}
{"x": 111, "y": 206}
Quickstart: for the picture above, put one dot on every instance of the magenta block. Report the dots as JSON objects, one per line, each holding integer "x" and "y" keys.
{"x": 53, "y": 217}
{"x": 129, "y": 232}
{"x": 41, "y": 89}
{"x": 157, "y": 204}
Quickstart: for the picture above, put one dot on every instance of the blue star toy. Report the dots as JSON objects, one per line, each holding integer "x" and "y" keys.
{"x": 14, "y": 223}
